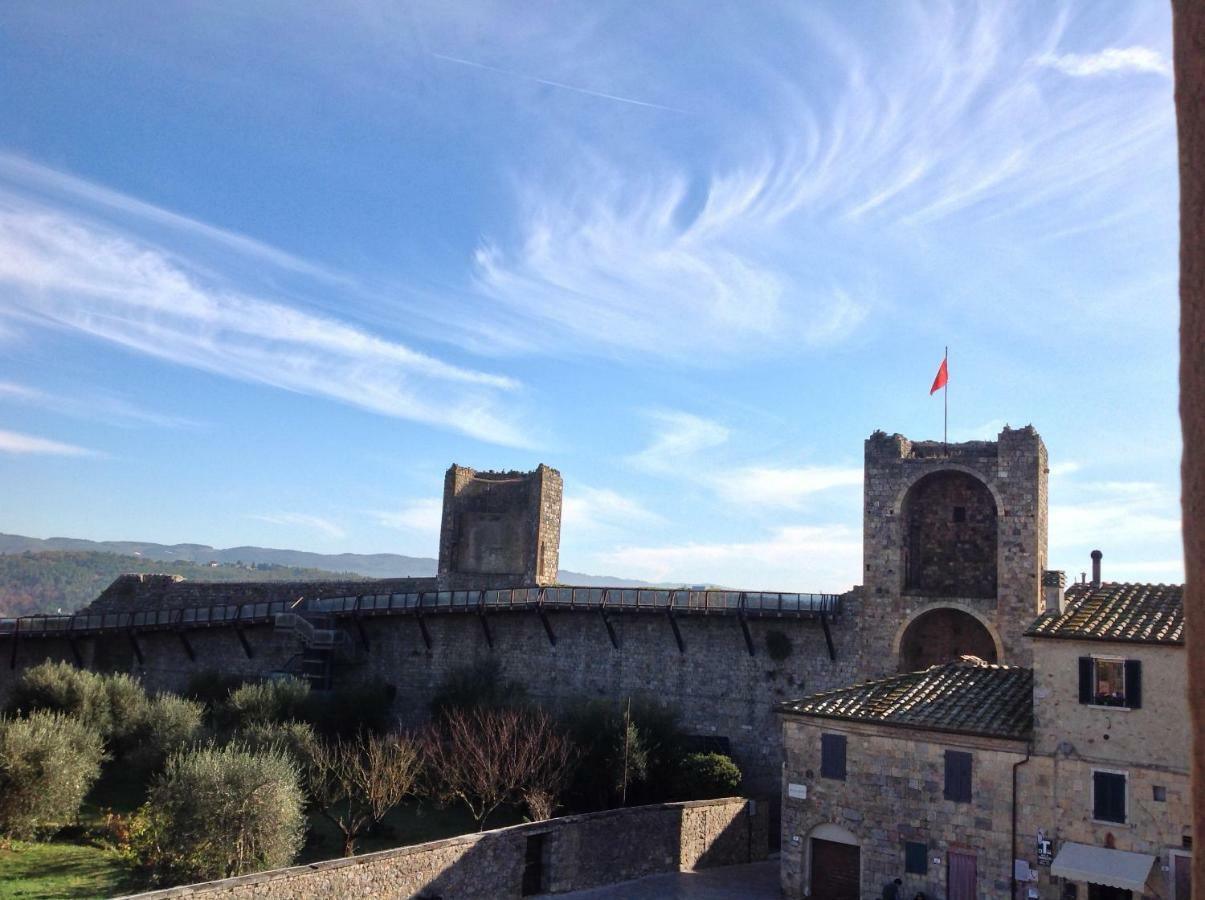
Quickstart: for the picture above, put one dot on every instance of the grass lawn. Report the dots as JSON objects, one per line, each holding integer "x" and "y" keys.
{"x": 63, "y": 871}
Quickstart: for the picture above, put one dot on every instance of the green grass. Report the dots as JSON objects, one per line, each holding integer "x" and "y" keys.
{"x": 63, "y": 871}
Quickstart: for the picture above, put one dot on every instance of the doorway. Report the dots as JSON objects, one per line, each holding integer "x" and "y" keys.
{"x": 962, "y": 875}
{"x": 836, "y": 870}
{"x": 1103, "y": 892}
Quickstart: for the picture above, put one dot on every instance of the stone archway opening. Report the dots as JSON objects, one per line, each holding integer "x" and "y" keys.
{"x": 950, "y": 537}
{"x": 943, "y": 635}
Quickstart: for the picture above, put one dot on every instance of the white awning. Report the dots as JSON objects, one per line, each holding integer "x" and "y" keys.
{"x": 1099, "y": 865}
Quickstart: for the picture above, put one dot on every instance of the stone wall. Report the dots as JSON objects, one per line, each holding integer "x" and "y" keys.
{"x": 579, "y": 852}
{"x": 715, "y": 686}
{"x": 894, "y": 792}
{"x": 1013, "y": 470}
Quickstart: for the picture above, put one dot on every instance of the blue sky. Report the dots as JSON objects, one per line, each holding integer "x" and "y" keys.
{"x": 267, "y": 269}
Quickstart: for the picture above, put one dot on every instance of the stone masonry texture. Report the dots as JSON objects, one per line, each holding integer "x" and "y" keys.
{"x": 579, "y": 852}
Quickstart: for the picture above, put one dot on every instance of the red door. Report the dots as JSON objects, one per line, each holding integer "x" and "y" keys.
{"x": 961, "y": 876}
{"x": 836, "y": 870}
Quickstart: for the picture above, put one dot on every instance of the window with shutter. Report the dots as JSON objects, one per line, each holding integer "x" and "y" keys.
{"x": 916, "y": 858}
{"x": 832, "y": 756}
{"x": 958, "y": 776}
{"x": 1109, "y": 796}
{"x": 1110, "y": 682}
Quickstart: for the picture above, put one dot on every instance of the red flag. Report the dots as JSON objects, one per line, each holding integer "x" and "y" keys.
{"x": 943, "y": 375}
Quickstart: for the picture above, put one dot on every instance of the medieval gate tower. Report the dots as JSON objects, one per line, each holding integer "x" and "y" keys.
{"x": 954, "y": 546}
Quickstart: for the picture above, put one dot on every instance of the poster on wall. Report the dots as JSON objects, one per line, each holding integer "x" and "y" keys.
{"x": 1045, "y": 849}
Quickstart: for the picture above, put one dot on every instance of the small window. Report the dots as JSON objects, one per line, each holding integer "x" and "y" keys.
{"x": 1158, "y": 793}
{"x": 916, "y": 858}
{"x": 1110, "y": 682}
{"x": 958, "y": 776}
{"x": 960, "y": 513}
{"x": 832, "y": 756}
{"x": 1109, "y": 797}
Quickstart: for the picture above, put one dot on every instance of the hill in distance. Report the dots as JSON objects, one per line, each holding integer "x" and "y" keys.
{"x": 45, "y": 575}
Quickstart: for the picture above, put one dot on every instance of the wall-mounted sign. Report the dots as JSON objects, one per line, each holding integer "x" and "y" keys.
{"x": 797, "y": 791}
{"x": 1045, "y": 849}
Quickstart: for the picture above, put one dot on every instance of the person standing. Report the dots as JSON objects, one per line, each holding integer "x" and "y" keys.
{"x": 891, "y": 890}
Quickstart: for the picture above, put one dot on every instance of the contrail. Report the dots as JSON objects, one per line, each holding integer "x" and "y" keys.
{"x": 555, "y": 84}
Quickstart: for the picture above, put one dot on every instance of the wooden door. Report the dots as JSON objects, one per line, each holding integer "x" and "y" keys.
{"x": 1183, "y": 877}
{"x": 836, "y": 870}
{"x": 962, "y": 876}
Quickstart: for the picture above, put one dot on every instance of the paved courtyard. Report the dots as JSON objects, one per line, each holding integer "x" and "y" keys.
{"x": 758, "y": 881}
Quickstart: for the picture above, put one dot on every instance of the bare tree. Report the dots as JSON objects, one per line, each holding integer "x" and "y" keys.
{"x": 487, "y": 757}
{"x": 355, "y": 783}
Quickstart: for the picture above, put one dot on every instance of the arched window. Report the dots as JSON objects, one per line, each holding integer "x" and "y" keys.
{"x": 943, "y": 635}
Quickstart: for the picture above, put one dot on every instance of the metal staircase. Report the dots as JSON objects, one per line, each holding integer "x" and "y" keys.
{"x": 320, "y": 644}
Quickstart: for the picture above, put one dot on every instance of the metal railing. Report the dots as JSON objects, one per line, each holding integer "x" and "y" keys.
{"x": 736, "y": 603}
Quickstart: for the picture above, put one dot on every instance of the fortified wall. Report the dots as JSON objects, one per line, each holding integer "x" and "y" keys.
{"x": 954, "y": 547}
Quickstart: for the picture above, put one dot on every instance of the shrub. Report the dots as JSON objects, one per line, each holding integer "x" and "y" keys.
{"x": 61, "y": 687}
{"x": 480, "y": 684}
{"x": 165, "y": 723}
{"x": 275, "y": 700}
{"x": 295, "y": 739}
{"x": 48, "y": 763}
{"x": 703, "y": 776}
{"x": 216, "y": 812}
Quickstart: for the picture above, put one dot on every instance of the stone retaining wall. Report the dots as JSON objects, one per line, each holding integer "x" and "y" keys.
{"x": 577, "y": 852}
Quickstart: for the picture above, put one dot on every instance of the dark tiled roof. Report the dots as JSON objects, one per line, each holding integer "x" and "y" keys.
{"x": 969, "y": 697}
{"x": 1143, "y": 613}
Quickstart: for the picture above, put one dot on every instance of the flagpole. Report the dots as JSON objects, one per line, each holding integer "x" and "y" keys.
{"x": 945, "y": 414}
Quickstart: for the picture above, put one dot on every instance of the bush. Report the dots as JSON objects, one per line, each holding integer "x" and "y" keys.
{"x": 480, "y": 684}
{"x": 704, "y": 776}
{"x": 164, "y": 724}
{"x": 217, "y": 812}
{"x": 48, "y": 763}
{"x": 294, "y": 739}
{"x": 61, "y": 687}
{"x": 276, "y": 700}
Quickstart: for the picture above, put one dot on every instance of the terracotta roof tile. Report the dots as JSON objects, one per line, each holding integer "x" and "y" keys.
{"x": 1143, "y": 613}
{"x": 969, "y": 696}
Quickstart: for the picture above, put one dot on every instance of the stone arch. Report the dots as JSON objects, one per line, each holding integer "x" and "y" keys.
{"x": 942, "y": 633}
{"x": 834, "y": 834}
{"x": 827, "y": 831}
{"x": 949, "y": 540}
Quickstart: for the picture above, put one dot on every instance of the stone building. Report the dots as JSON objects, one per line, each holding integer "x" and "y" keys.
{"x": 908, "y": 777}
{"x": 1067, "y": 781}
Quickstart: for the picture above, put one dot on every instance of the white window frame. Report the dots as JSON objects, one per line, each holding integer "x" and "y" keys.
{"x": 1092, "y": 796}
{"x": 1124, "y": 686}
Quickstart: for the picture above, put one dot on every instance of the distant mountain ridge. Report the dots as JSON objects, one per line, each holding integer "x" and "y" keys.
{"x": 370, "y": 565}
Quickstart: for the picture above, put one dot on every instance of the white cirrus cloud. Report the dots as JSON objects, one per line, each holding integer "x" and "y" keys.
{"x": 424, "y": 516}
{"x": 679, "y": 438}
{"x": 65, "y": 272}
{"x": 810, "y": 558}
{"x": 1109, "y": 61}
{"x": 303, "y": 520}
{"x": 18, "y": 444}
{"x": 785, "y": 487}
{"x": 108, "y": 408}
{"x": 587, "y": 508}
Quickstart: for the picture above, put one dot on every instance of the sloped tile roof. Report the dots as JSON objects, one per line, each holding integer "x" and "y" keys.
{"x": 1142, "y": 613}
{"x": 969, "y": 696}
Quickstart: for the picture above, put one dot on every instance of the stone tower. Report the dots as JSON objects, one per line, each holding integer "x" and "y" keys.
{"x": 500, "y": 529}
{"x": 954, "y": 546}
